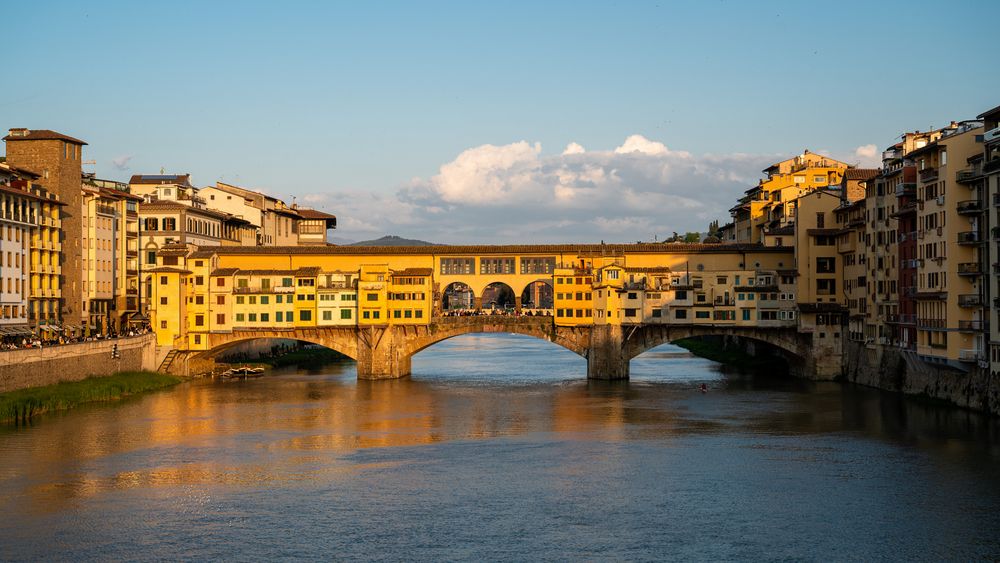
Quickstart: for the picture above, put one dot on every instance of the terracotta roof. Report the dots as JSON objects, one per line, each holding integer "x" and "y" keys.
{"x": 650, "y": 270}
{"x": 224, "y": 271}
{"x": 159, "y": 179}
{"x": 22, "y": 193}
{"x": 20, "y": 171}
{"x": 307, "y": 271}
{"x": 313, "y": 214}
{"x": 42, "y": 135}
{"x": 168, "y": 269}
{"x": 989, "y": 112}
{"x": 414, "y": 272}
{"x": 860, "y": 173}
{"x": 174, "y": 206}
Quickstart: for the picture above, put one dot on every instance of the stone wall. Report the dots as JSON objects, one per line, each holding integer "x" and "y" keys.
{"x": 898, "y": 370}
{"x": 34, "y": 367}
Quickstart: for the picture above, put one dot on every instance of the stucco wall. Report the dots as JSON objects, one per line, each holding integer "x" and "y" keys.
{"x": 34, "y": 367}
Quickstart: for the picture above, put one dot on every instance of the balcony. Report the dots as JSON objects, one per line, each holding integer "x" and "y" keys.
{"x": 892, "y": 154}
{"x": 930, "y": 323}
{"x": 928, "y": 175}
{"x": 991, "y": 166}
{"x": 906, "y": 189}
{"x": 969, "y": 207}
{"x": 723, "y": 302}
{"x": 991, "y": 135}
{"x": 969, "y": 237}
{"x": 971, "y": 326}
{"x": 969, "y": 175}
{"x": 909, "y": 319}
{"x": 970, "y": 300}
{"x": 969, "y": 269}
{"x": 970, "y": 356}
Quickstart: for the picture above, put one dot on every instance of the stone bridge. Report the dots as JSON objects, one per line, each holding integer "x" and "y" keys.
{"x": 384, "y": 352}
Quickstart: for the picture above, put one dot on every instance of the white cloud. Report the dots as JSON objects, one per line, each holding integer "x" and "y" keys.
{"x": 868, "y": 156}
{"x": 121, "y": 162}
{"x": 515, "y": 193}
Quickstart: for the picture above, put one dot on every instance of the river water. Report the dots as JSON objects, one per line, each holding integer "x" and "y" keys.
{"x": 497, "y": 448}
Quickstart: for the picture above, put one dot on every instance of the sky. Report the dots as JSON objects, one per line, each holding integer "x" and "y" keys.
{"x": 492, "y": 122}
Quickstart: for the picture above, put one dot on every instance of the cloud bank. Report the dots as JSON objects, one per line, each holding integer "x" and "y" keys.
{"x": 516, "y": 194}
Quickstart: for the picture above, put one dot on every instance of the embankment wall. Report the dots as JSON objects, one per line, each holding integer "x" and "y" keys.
{"x": 34, "y": 367}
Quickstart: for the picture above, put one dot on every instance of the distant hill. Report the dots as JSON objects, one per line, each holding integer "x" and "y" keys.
{"x": 392, "y": 240}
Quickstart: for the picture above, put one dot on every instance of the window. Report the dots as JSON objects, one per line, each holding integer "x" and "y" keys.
{"x": 456, "y": 266}
{"x": 538, "y": 265}
{"x": 220, "y": 299}
{"x": 372, "y": 297}
{"x": 701, "y": 314}
{"x": 163, "y": 324}
{"x": 163, "y": 301}
{"x": 826, "y": 287}
{"x": 220, "y": 282}
{"x": 264, "y": 299}
{"x": 825, "y": 265}
{"x": 240, "y": 317}
{"x": 681, "y": 294}
{"x": 305, "y": 315}
{"x": 199, "y": 320}
{"x": 279, "y": 317}
{"x": 657, "y": 313}
{"x": 365, "y": 315}
{"x": 327, "y": 315}
{"x": 199, "y": 300}
{"x": 151, "y": 257}
{"x": 680, "y": 313}
{"x": 345, "y": 314}
{"x": 253, "y": 317}
{"x": 220, "y": 319}
{"x": 375, "y": 314}
{"x": 396, "y": 314}
{"x": 746, "y": 314}
{"x": 496, "y": 266}
{"x": 419, "y": 314}
{"x": 630, "y": 313}
{"x": 612, "y": 274}
{"x": 408, "y": 314}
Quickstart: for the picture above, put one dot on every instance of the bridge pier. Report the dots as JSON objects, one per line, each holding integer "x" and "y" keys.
{"x": 606, "y": 356}
{"x": 382, "y": 353}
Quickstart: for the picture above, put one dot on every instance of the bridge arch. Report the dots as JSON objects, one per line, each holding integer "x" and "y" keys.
{"x": 538, "y": 294}
{"x": 498, "y": 295}
{"x": 793, "y": 347}
{"x": 457, "y": 296}
{"x": 576, "y": 341}
{"x": 343, "y": 341}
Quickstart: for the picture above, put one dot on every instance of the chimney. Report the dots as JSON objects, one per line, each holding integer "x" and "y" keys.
{"x": 18, "y": 132}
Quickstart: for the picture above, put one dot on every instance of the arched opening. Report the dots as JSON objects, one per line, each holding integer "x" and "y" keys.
{"x": 498, "y": 296}
{"x": 273, "y": 353}
{"x": 502, "y": 358}
{"x": 537, "y": 297}
{"x": 457, "y": 296}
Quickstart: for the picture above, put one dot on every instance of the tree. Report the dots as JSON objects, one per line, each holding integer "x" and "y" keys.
{"x": 692, "y": 237}
{"x": 713, "y": 228}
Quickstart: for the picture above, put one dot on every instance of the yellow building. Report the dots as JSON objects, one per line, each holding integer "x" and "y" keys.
{"x": 765, "y": 207}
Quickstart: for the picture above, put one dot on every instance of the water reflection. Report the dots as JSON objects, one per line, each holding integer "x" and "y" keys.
{"x": 296, "y": 430}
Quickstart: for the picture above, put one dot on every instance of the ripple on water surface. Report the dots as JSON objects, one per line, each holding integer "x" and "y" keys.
{"x": 498, "y": 448}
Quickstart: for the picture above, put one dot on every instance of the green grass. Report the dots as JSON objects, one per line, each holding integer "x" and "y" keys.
{"x": 23, "y": 404}
{"x": 713, "y": 349}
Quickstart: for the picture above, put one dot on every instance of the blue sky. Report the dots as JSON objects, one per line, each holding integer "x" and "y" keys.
{"x": 398, "y": 117}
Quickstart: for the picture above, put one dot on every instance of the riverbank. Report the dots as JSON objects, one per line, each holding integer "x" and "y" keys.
{"x": 21, "y": 405}
{"x": 715, "y": 350}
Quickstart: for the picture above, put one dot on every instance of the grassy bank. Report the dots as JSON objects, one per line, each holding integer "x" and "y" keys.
{"x": 715, "y": 351}
{"x": 23, "y": 404}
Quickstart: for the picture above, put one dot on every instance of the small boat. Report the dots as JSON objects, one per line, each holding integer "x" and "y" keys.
{"x": 244, "y": 372}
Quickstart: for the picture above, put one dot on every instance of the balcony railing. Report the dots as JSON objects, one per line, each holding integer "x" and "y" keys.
{"x": 970, "y": 300}
{"x": 968, "y": 175}
{"x": 969, "y": 237}
{"x": 928, "y": 175}
{"x": 970, "y": 269}
{"x": 930, "y": 323}
{"x": 969, "y": 206}
{"x": 970, "y": 326}
{"x": 970, "y": 355}
{"x": 906, "y": 189}
{"x": 991, "y": 135}
{"x": 908, "y": 319}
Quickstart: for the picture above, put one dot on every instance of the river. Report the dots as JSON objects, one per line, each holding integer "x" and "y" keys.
{"x": 498, "y": 448}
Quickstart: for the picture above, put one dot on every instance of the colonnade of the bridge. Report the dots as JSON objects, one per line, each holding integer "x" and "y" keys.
{"x": 386, "y": 352}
